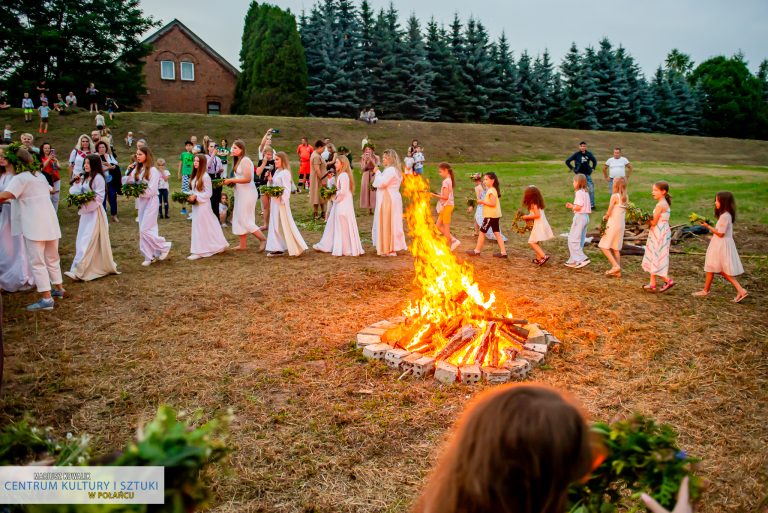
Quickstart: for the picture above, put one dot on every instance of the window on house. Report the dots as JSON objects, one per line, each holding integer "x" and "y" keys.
{"x": 214, "y": 108}
{"x": 167, "y": 70}
{"x": 187, "y": 70}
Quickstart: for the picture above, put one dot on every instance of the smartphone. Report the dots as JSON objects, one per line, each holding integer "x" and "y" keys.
{"x": 275, "y": 130}
{"x": 53, "y": 152}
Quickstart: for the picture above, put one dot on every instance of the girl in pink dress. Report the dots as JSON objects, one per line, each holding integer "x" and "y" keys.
{"x": 722, "y": 257}
{"x": 207, "y": 236}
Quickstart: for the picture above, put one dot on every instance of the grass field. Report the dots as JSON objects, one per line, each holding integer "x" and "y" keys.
{"x": 319, "y": 430}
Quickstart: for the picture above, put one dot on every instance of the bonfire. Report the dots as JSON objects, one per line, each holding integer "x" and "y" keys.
{"x": 453, "y": 327}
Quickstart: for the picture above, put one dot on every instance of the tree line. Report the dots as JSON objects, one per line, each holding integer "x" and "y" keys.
{"x": 356, "y": 57}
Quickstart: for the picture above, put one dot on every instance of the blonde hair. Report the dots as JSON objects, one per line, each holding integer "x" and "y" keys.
{"x": 580, "y": 180}
{"x": 160, "y": 163}
{"x": 392, "y": 154}
{"x": 620, "y": 188}
{"x": 283, "y": 160}
{"x": 90, "y": 143}
{"x": 347, "y": 169}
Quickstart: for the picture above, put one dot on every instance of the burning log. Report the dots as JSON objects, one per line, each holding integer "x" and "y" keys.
{"x": 486, "y": 316}
{"x": 456, "y": 343}
{"x": 494, "y": 350}
{"x": 515, "y": 332}
{"x": 452, "y": 326}
{"x": 511, "y": 353}
{"x": 485, "y": 341}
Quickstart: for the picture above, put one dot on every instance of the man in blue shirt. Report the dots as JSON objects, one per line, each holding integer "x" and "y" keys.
{"x": 583, "y": 162}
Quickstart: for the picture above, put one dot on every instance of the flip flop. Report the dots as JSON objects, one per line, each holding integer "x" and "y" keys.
{"x": 667, "y": 286}
{"x": 701, "y": 293}
{"x": 739, "y": 299}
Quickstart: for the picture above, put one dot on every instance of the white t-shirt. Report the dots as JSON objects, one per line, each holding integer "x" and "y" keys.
{"x": 581, "y": 198}
{"x": 163, "y": 184}
{"x": 418, "y": 158}
{"x": 7, "y": 134}
{"x": 99, "y": 120}
{"x": 447, "y": 184}
{"x": 35, "y": 217}
{"x": 408, "y": 161}
{"x": 76, "y": 160}
{"x": 617, "y": 167}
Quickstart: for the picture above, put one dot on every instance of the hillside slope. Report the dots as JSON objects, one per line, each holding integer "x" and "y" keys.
{"x": 443, "y": 141}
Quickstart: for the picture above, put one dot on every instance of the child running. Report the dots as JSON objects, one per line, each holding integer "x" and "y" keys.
{"x": 581, "y": 207}
{"x": 445, "y": 204}
{"x": 185, "y": 168}
{"x": 656, "y": 258}
{"x": 722, "y": 257}
{"x": 534, "y": 202}
{"x": 491, "y": 216}
{"x": 613, "y": 238}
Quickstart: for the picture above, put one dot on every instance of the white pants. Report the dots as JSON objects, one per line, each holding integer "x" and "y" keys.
{"x": 56, "y": 194}
{"x": 44, "y": 263}
{"x": 576, "y": 238}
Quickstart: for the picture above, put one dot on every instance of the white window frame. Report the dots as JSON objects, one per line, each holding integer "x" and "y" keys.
{"x": 181, "y": 71}
{"x": 208, "y": 108}
{"x": 173, "y": 71}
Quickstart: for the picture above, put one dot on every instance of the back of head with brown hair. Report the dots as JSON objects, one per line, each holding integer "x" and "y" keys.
{"x": 533, "y": 196}
{"x": 516, "y": 450}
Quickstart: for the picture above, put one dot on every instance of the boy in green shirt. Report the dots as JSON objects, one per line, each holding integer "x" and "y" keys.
{"x": 186, "y": 163}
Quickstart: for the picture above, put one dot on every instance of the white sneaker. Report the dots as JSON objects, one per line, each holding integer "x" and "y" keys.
{"x": 571, "y": 264}
{"x": 164, "y": 254}
{"x": 194, "y": 257}
{"x": 147, "y": 263}
{"x": 581, "y": 264}
{"x": 455, "y": 244}
{"x": 189, "y": 218}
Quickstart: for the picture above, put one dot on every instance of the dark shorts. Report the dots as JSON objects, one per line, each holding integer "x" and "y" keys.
{"x": 99, "y": 127}
{"x": 490, "y": 223}
{"x": 44, "y": 120}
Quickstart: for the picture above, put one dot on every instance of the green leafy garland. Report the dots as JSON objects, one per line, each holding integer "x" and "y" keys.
{"x": 327, "y": 192}
{"x": 472, "y": 201}
{"x": 78, "y": 200}
{"x": 273, "y": 191}
{"x": 20, "y": 167}
{"x": 134, "y": 190}
{"x": 181, "y": 197}
{"x": 520, "y": 225}
{"x": 642, "y": 456}
{"x": 218, "y": 183}
{"x": 637, "y": 215}
{"x": 695, "y": 218}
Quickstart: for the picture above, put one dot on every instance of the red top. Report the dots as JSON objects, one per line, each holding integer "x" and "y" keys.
{"x": 305, "y": 152}
{"x": 51, "y": 170}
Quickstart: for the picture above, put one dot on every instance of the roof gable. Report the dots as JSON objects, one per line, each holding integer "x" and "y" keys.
{"x": 202, "y": 44}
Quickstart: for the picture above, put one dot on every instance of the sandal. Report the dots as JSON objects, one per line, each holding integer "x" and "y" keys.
{"x": 740, "y": 297}
{"x": 667, "y": 286}
{"x": 649, "y": 288}
{"x": 701, "y": 293}
{"x": 543, "y": 260}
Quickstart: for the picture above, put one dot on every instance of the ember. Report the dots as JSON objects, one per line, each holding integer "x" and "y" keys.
{"x": 453, "y": 327}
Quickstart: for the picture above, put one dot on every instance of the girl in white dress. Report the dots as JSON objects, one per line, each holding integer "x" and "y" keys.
{"x": 35, "y": 219}
{"x": 152, "y": 245}
{"x": 722, "y": 257}
{"x": 93, "y": 251}
{"x": 534, "y": 202}
{"x": 341, "y": 236}
{"x": 283, "y": 235}
{"x": 207, "y": 236}
{"x": 246, "y": 197}
{"x": 14, "y": 267}
{"x": 656, "y": 257}
{"x": 613, "y": 238}
{"x": 388, "y": 234}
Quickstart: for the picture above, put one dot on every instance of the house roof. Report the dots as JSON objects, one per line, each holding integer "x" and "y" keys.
{"x": 202, "y": 44}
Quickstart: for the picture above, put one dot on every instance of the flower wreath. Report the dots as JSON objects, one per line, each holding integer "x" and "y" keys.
{"x": 10, "y": 154}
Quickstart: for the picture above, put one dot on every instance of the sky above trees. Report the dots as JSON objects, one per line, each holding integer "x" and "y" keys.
{"x": 701, "y": 28}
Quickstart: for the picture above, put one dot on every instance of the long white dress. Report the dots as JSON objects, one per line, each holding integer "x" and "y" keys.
{"x": 388, "y": 234}
{"x": 207, "y": 235}
{"x": 151, "y": 244}
{"x": 341, "y": 236}
{"x": 283, "y": 233}
{"x": 15, "y": 274}
{"x": 722, "y": 256}
{"x": 246, "y": 197}
{"x": 93, "y": 251}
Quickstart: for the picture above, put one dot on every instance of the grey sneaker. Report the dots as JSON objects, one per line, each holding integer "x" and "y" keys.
{"x": 583, "y": 263}
{"x": 42, "y": 304}
{"x": 58, "y": 293}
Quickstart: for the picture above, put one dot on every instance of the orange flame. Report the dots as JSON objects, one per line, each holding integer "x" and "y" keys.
{"x": 449, "y": 292}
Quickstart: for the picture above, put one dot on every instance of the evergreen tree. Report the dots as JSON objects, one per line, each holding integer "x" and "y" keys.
{"x": 662, "y": 100}
{"x": 637, "y": 115}
{"x": 271, "y": 51}
{"x": 479, "y": 69}
{"x": 393, "y": 92}
{"x": 762, "y": 76}
{"x": 590, "y": 92}
{"x": 679, "y": 62}
{"x": 573, "y": 102}
{"x": 503, "y": 99}
{"x": 612, "y": 89}
{"x": 450, "y": 93}
{"x": 526, "y": 90}
{"x": 317, "y": 39}
{"x": 544, "y": 86}
{"x": 367, "y": 81}
{"x": 417, "y": 73}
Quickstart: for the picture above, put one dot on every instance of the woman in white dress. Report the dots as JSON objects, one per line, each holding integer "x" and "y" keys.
{"x": 341, "y": 236}
{"x": 283, "y": 234}
{"x": 93, "y": 252}
{"x": 207, "y": 236}
{"x": 14, "y": 267}
{"x": 77, "y": 156}
{"x": 36, "y": 220}
{"x": 388, "y": 234}
{"x": 246, "y": 197}
{"x": 613, "y": 238}
{"x": 152, "y": 245}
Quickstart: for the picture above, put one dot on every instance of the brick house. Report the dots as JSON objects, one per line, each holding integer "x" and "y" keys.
{"x": 184, "y": 74}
